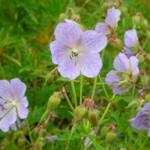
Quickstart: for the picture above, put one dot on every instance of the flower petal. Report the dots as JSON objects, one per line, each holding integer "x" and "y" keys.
{"x": 112, "y": 77}
{"x": 113, "y": 16}
{"x": 120, "y": 90}
{"x": 121, "y": 63}
{"x": 128, "y": 52}
{"x": 131, "y": 38}
{"x": 134, "y": 65}
{"x": 93, "y": 42}
{"x": 68, "y": 33}
{"x": 22, "y": 110}
{"x": 8, "y": 120}
{"x": 70, "y": 68}
{"x": 90, "y": 64}
{"x": 5, "y": 90}
{"x": 102, "y": 28}
{"x": 18, "y": 87}
{"x": 59, "y": 52}
{"x": 24, "y": 101}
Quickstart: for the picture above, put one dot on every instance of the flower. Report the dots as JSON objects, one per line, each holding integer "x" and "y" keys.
{"x": 131, "y": 38}
{"x": 111, "y": 21}
{"x": 13, "y": 103}
{"x": 131, "y": 42}
{"x": 142, "y": 119}
{"x": 75, "y": 51}
{"x": 124, "y": 75}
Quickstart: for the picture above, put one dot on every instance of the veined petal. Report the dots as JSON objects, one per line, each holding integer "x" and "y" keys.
{"x": 131, "y": 38}
{"x": 128, "y": 52}
{"x": 90, "y": 64}
{"x": 112, "y": 77}
{"x": 59, "y": 52}
{"x": 120, "y": 90}
{"x": 93, "y": 42}
{"x": 8, "y": 120}
{"x": 70, "y": 68}
{"x": 134, "y": 65}
{"x": 18, "y": 88}
{"x": 102, "y": 28}
{"x": 24, "y": 101}
{"x": 68, "y": 33}
{"x": 22, "y": 110}
{"x": 113, "y": 16}
{"x": 121, "y": 63}
{"x": 5, "y": 90}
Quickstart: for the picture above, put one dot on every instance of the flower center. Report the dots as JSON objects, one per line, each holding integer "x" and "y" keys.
{"x": 74, "y": 53}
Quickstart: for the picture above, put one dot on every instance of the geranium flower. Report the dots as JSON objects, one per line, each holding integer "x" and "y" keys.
{"x": 13, "y": 103}
{"x": 142, "y": 119}
{"x": 125, "y": 74}
{"x": 77, "y": 52}
{"x": 111, "y": 21}
{"x": 131, "y": 42}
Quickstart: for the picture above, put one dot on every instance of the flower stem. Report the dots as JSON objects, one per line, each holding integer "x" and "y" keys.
{"x": 103, "y": 86}
{"x": 94, "y": 88}
{"x": 106, "y": 110}
{"x": 72, "y": 130}
{"x": 67, "y": 98}
{"x": 74, "y": 93}
{"x": 81, "y": 88}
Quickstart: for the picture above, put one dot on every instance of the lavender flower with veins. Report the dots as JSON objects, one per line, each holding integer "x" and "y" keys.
{"x": 131, "y": 42}
{"x": 13, "y": 103}
{"x": 125, "y": 74}
{"x": 111, "y": 21}
{"x": 77, "y": 52}
{"x": 142, "y": 119}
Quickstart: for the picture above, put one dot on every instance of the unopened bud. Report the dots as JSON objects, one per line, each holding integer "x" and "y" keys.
{"x": 145, "y": 23}
{"x": 86, "y": 126}
{"x": 93, "y": 116}
{"x": 104, "y": 131}
{"x": 110, "y": 137}
{"x": 79, "y": 113}
{"x": 147, "y": 97}
{"x": 136, "y": 20}
{"x": 62, "y": 17}
{"x": 54, "y": 100}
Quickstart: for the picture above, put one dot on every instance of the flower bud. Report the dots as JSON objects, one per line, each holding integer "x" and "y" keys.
{"x": 62, "y": 17}
{"x": 86, "y": 126}
{"x": 145, "y": 23}
{"x": 110, "y": 137}
{"x": 140, "y": 57}
{"x": 93, "y": 116}
{"x": 147, "y": 97}
{"x": 104, "y": 131}
{"x": 136, "y": 20}
{"x": 79, "y": 113}
{"x": 54, "y": 100}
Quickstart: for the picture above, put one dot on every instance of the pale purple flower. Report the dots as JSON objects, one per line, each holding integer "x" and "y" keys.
{"x": 131, "y": 38}
{"x": 76, "y": 51}
{"x": 111, "y": 21}
{"x": 131, "y": 42}
{"x": 124, "y": 75}
{"x": 13, "y": 103}
{"x": 142, "y": 119}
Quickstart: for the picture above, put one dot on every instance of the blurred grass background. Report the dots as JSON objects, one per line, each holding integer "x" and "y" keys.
{"x": 26, "y": 29}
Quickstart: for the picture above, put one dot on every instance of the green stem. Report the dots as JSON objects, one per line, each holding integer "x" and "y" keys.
{"x": 29, "y": 131}
{"x": 106, "y": 110}
{"x": 105, "y": 91}
{"x": 72, "y": 130}
{"x": 68, "y": 100}
{"x": 94, "y": 88}
{"x": 81, "y": 87}
{"x": 74, "y": 93}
